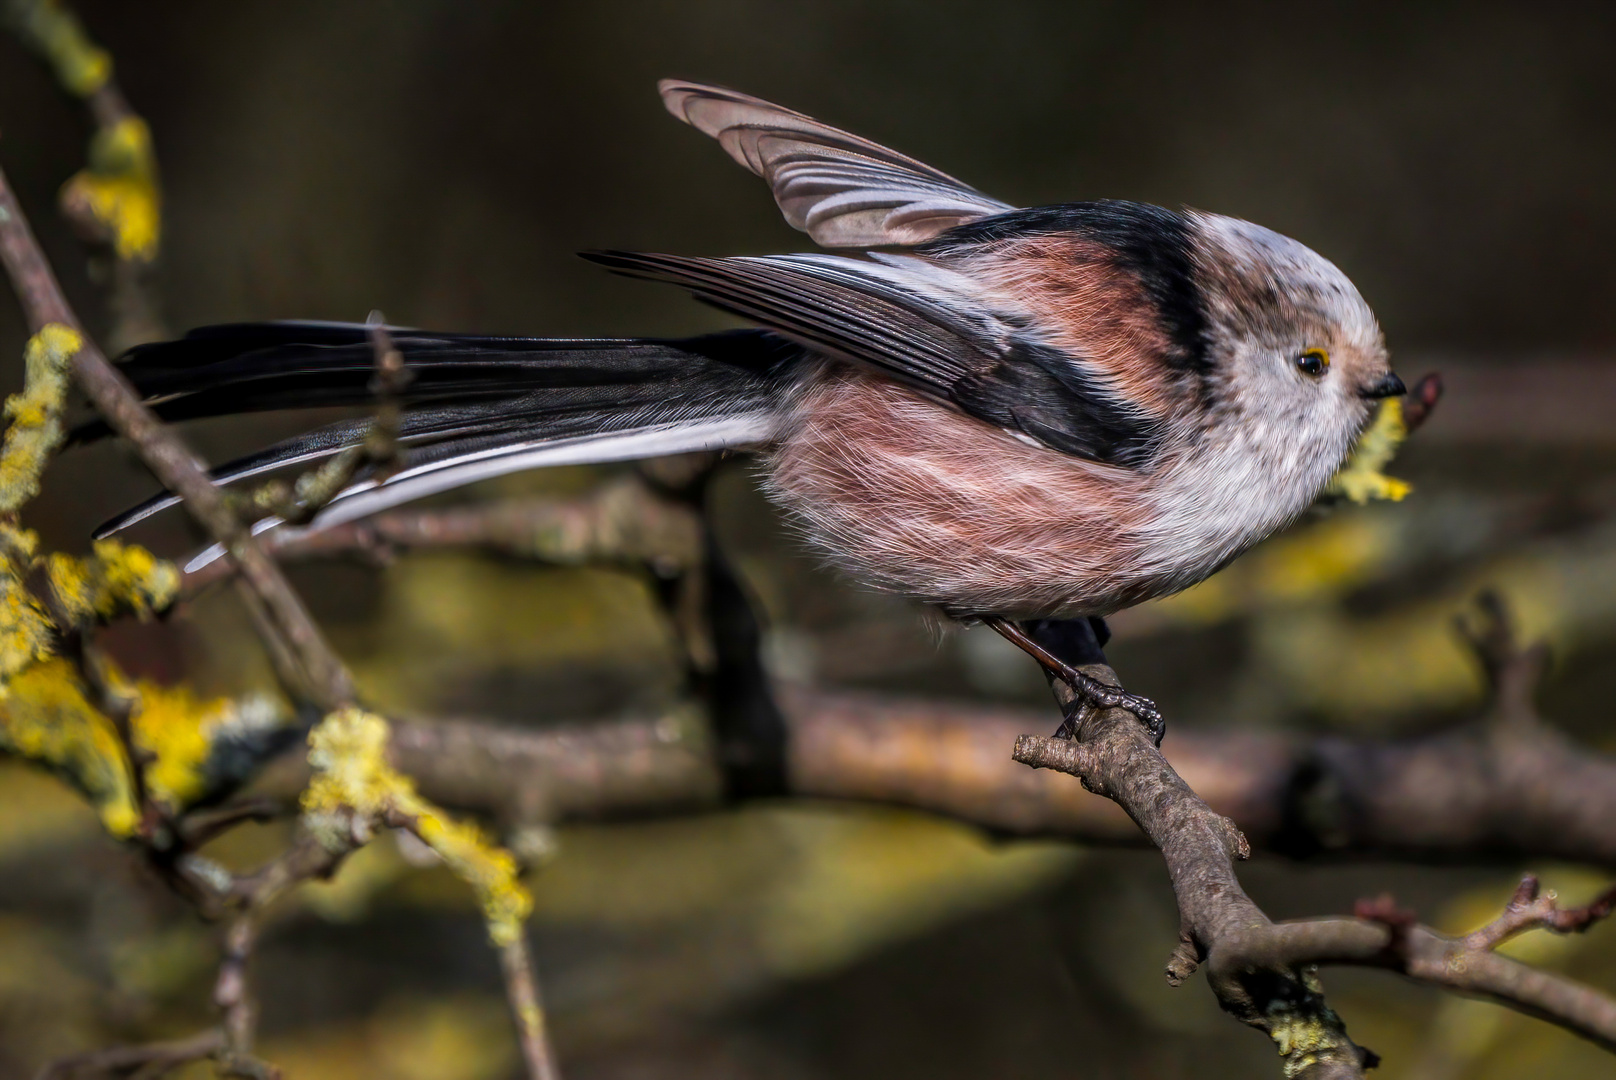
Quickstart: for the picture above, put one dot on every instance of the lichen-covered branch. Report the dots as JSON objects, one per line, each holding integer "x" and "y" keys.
{"x": 115, "y": 202}
{"x": 354, "y": 789}
{"x": 316, "y": 675}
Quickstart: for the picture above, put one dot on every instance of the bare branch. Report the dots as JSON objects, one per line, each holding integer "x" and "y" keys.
{"x": 149, "y": 1060}
{"x": 1262, "y": 972}
{"x": 1114, "y": 756}
{"x": 531, "y": 1029}
{"x": 1531, "y": 909}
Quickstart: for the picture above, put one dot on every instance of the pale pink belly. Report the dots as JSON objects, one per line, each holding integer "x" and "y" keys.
{"x": 910, "y": 496}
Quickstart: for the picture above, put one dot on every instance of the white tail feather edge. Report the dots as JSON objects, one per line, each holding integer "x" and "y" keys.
{"x": 369, "y": 497}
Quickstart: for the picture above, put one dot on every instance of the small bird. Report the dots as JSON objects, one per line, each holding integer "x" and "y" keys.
{"x": 1010, "y": 414}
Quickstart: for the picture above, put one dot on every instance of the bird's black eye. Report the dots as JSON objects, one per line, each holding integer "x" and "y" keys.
{"x": 1314, "y": 362}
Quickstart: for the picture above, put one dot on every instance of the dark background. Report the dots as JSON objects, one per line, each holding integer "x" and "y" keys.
{"x": 442, "y": 161}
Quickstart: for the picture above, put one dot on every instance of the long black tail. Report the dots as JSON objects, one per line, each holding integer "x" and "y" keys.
{"x": 476, "y": 407}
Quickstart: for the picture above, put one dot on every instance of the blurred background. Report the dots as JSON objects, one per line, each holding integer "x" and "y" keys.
{"x": 441, "y": 161}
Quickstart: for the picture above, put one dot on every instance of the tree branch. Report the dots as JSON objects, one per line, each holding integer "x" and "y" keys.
{"x": 148, "y": 1061}
{"x": 318, "y": 676}
{"x": 622, "y": 522}
{"x": 1113, "y": 755}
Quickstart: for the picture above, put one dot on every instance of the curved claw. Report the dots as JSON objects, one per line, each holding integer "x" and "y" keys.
{"x": 1145, "y": 710}
{"x": 1089, "y": 691}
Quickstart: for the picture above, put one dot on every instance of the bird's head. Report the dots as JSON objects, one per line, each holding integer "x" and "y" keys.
{"x": 1288, "y": 336}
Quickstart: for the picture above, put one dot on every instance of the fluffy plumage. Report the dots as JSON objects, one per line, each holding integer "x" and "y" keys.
{"x": 1049, "y": 412}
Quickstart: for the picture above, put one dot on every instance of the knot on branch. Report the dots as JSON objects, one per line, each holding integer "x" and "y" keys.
{"x": 1239, "y": 847}
{"x": 1399, "y": 921}
{"x": 1069, "y": 756}
{"x": 1184, "y": 961}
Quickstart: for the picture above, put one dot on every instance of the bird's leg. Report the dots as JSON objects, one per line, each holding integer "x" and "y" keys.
{"x": 1091, "y": 692}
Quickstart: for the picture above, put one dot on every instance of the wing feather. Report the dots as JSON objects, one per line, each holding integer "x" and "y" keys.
{"x": 841, "y": 190}
{"x": 900, "y": 320}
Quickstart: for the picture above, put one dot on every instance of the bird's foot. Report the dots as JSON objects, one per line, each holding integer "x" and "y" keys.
{"x": 1088, "y": 692}
{"x": 1093, "y": 694}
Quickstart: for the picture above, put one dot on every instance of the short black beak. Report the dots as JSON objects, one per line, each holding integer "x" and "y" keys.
{"x": 1388, "y": 385}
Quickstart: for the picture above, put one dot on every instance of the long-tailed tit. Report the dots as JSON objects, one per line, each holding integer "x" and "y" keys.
{"x": 1007, "y": 413}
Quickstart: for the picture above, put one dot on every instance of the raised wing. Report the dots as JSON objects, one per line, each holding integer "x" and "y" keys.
{"x": 841, "y": 190}
{"x": 892, "y": 317}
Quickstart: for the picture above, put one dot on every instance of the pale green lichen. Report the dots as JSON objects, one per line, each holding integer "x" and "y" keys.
{"x": 53, "y": 32}
{"x": 1361, "y": 479}
{"x": 1308, "y": 1031}
{"x": 348, "y": 751}
{"x": 36, "y": 414}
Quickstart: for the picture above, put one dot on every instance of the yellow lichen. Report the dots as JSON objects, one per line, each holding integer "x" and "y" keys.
{"x": 26, "y": 634}
{"x": 181, "y": 732}
{"x": 25, "y": 631}
{"x": 1301, "y": 1040}
{"x": 348, "y": 750}
{"x": 35, "y": 414}
{"x": 1361, "y": 480}
{"x": 53, "y": 32}
{"x": 119, "y": 188}
{"x": 490, "y": 870}
{"x": 118, "y": 580}
{"x": 47, "y": 719}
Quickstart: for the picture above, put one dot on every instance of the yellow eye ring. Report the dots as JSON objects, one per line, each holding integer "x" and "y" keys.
{"x": 1313, "y": 362}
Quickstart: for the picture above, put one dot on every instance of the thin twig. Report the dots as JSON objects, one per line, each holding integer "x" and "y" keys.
{"x": 1532, "y": 909}
{"x": 231, "y": 993}
{"x": 298, "y": 502}
{"x": 146, "y": 1060}
{"x": 200, "y": 826}
{"x": 622, "y": 522}
{"x": 521, "y": 988}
